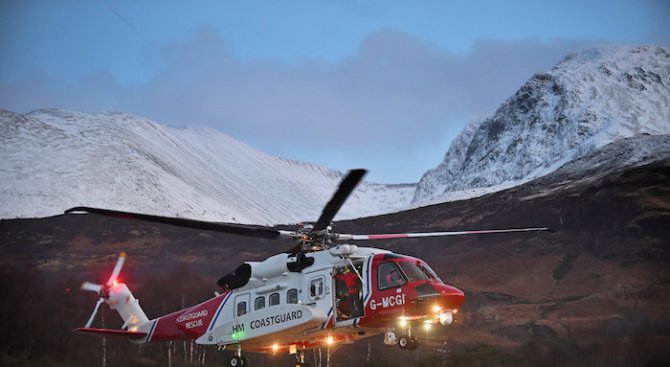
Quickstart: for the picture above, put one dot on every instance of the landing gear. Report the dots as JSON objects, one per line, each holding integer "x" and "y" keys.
{"x": 238, "y": 360}
{"x": 301, "y": 360}
{"x": 408, "y": 342}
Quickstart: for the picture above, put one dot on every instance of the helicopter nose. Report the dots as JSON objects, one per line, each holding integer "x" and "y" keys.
{"x": 451, "y": 296}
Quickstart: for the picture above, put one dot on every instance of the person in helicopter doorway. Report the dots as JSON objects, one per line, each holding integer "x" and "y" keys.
{"x": 348, "y": 290}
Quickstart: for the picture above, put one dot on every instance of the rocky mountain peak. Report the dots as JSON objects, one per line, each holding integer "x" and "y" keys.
{"x": 591, "y": 98}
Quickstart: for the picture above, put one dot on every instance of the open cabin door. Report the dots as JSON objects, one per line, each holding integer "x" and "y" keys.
{"x": 349, "y": 291}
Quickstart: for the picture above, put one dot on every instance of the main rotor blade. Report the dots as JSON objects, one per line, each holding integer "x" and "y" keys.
{"x": 365, "y": 237}
{"x": 117, "y": 268}
{"x": 95, "y": 311}
{"x": 239, "y": 229}
{"x": 347, "y": 185}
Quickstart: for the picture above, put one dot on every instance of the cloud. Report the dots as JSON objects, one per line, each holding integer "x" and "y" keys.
{"x": 395, "y": 93}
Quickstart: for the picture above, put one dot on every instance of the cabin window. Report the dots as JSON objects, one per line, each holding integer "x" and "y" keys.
{"x": 274, "y": 299}
{"x": 241, "y": 308}
{"x": 292, "y": 296}
{"x": 389, "y": 276}
{"x": 259, "y": 303}
{"x": 316, "y": 288}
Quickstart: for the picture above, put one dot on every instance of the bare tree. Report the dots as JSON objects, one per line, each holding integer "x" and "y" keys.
{"x": 104, "y": 339}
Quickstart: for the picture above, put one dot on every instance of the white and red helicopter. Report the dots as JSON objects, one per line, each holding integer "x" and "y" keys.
{"x": 317, "y": 294}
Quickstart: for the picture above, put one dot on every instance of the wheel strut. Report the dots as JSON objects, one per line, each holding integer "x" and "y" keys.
{"x": 237, "y": 360}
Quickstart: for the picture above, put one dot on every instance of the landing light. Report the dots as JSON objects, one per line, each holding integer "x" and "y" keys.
{"x": 403, "y": 322}
{"x": 427, "y": 326}
{"x": 437, "y": 308}
{"x": 275, "y": 347}
{"x": 446, "y": 318}
{"x": 330, "y": 340}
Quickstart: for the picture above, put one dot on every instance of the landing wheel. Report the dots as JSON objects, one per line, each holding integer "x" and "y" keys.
{"x": 236, "y": 361}
{"x": 403, "y": 341}
{"x": 408, "y": 342}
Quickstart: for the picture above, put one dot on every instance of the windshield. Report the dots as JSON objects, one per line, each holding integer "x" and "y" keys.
{"x": 413, "y": 271}
{"x": 418, "y": 271}
{"x": 431, "y": 273}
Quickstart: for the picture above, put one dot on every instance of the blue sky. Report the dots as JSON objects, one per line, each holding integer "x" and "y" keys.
{"x": 384, "y": 85}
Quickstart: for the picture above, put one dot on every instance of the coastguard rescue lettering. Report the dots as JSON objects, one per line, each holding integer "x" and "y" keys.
{"x": 276, "y": 319}
{"x": 389, "y": 301}
{"x": 193, "y": 315}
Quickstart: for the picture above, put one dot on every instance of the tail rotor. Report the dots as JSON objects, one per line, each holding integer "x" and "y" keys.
{"x": 103, "y": 289}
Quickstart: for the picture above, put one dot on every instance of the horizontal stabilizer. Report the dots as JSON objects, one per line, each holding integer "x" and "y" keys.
{"x": 103, "y": 332}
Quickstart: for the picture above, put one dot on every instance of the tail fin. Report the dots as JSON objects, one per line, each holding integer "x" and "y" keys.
{"x": 119, "y": 298}
{"x": 128, "y": 307}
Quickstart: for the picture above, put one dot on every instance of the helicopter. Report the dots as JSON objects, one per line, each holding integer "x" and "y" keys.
{"x": 321, "y": 292}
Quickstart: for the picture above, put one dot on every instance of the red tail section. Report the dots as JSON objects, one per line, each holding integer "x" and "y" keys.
{"x": 189, "y": 323}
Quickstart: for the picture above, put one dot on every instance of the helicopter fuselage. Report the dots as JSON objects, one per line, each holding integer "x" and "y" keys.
{"x": 339, "y": 298}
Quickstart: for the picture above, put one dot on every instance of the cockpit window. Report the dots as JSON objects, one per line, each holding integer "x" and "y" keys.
{"x": 431, "y": 273}
{"x": 413, "y": 271}
{"x": 389, "y": 276}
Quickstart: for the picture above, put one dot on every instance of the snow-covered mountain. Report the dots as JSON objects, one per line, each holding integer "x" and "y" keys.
{"x": 592, "y": 98}
{"x": 54, "y": 159}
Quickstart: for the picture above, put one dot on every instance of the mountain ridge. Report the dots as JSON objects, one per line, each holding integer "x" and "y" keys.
{"x": 121, "y": 161}
{"x": 593, "y": 97}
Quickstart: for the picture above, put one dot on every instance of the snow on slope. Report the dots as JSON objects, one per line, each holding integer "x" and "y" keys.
{"x": 592, "y": 98}
{"x": 54, "y": 159}
{"x": 635, "y": 151}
